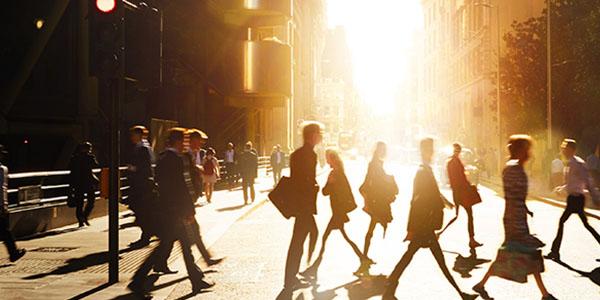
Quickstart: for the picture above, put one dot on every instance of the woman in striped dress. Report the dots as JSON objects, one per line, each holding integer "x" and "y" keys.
{"x": 519, "y": 255}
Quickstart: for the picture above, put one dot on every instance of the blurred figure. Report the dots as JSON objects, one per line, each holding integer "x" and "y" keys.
{"x": 229, "y": 161}
{"x": 379, "y": 190}
{"x": 177, "y": 212}
{"x": 593, "y": 165}
{"x": 248, "y": 165}
{"x": 425, "y": 217}
{"x": 577, "y": 180}
{"x": 342, "y": 202}
{"x": 462, "y": 191}
{"x": 141, "y": 182}
{"x": 197, "y": 140}
{"x": 557, "y": 172}
{"x": 5, "y": 235}
{"x": 519, "y": 255}
{"x": 83, "y": 182}
{"x": 303, "y": 173}
{"x": 210, "y": 173}
{"x": 277, "y": 163}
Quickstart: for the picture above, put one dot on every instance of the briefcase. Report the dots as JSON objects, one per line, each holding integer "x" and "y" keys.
{"x": 283, "y": 197}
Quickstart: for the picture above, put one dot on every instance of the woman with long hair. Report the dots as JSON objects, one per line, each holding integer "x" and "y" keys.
{"x": 519, "y": 255}
{"x": 342, "y": 202}
{"x": 379, "y": 190}
{"x": 210, "y": 173}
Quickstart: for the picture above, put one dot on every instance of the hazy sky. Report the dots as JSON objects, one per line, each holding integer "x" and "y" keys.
{"x": 380, "y": 34}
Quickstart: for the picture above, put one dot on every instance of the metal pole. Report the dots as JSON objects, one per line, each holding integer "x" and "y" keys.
{"x": 549, "y": 78}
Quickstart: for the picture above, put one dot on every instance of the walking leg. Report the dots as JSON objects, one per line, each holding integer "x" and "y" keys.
{"x": 368, "y": 237}
{"x": 252, "y": 193}
{"x": 294, "y": 255}
{"x": 245, "y": 189}
{"x": 587, "y": 226}
{"x": 554, "y": 253}
{"x": 439, "y": 258}
{"x": 360, "y": 255}
{"x": 398, "y": 270}
{"x": 540, "y": 284}
{"x": 89, "y": 206}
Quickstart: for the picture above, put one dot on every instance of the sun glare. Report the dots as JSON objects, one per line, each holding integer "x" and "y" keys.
{"x": 380, "y": 35}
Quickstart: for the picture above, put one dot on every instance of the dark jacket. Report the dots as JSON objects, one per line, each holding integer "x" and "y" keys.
{"x": 273, "y": 161}
{"x": 141, "y": 176}
{"x": 458, "y": 180}
{"x": 175, "y": 199}
{"x": 248, "y": 164}
{"x": 427, "y": 206}
{"x": 340, "y": 193}
{"x": 379, "y": 190}
{"x": 303, "y": 173}
{"x": 82, "y": 178}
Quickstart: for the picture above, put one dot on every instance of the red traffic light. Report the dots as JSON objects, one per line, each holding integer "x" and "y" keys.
{"x": 106, "y": 6}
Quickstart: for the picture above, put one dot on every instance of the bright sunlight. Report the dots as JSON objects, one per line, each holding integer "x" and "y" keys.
{"x": 380, "y": 34}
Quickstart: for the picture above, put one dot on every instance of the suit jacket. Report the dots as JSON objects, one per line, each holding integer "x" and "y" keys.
{"x": 175, "y": 199}
{"x": 303, "y": 173}
{"x": 274, "y": 163}
{"x": 141, "y": 178}
{"x": 248, "y": 164}
{"x": 427, "y": 206}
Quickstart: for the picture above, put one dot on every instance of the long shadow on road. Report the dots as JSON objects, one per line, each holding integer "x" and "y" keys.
{"x": 593, "y": 275}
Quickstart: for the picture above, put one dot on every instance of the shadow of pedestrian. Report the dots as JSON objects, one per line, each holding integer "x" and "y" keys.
{"x": 464, "y": 265}
{"x": 593, "y": 275}
{"x": 359, "y": 289}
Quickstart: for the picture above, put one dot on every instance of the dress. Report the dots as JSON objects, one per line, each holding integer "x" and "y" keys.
{"x": 211, "y": 170}
{"x": 379, "y": 190}
{"x": 519, "y": 255}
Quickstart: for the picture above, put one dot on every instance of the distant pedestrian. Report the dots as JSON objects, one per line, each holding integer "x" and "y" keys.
{"x": 303, "y": 169}
{"x": 210, "y": 173}
{"x": 463, "y": 193}
{"x": 83, "y": 182}
{"x": 141, "y": 182}
{"x": 177, "y": 212}
{"x": 277, "y": 163}
{"x": 557, "y": 172}
{"x": 229, "y": 160}
{"x": 577, "y": 180}
{"x": 593, "y": 165}
{"x": 6, "y": 235}
{"x": 425, "y": 217}
{"x": 519, "y": 255}
{"x": 197, "y": 154}
{"x": 342, "y": 202}
{"x": 248, "y": 167}
{"x": 379, "y": 190}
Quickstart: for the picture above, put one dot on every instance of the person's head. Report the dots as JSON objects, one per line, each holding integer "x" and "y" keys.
{"x": 229, "y": 146}
{"x": 210, "y": 152}
{"x": 568, "y": 148}
{"x": 85, "y": 147}
{"x": 248, "y": 145}
{"x": 197, "y": 138}
{"x": 311, "y": 133}
{"x": 175, "y": 138}
{"x": 137, "y": 134}
{"x": 275, "y": 149}
{"x": 519, "y": 147}
{"x": 333, "y": 159}
{"x": 426, "y": 147}
{"x": 278, "y": 147}
{"x": 457, "y": 148}
{"x": 380, "y": 151}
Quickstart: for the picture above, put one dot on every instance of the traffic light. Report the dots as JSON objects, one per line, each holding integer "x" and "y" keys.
{"x": 106, "y": 38}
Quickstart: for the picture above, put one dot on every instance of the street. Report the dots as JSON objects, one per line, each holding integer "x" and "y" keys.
{"x": 254, "y": 240}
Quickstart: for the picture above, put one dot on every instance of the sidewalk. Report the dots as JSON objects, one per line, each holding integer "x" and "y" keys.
{"x": 71, "y": 263}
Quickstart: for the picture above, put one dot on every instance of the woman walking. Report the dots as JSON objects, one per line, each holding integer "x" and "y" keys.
{"x": 342, "y": 202}
{"x": 519, "y": 255}
{"x": 379, "y": 190}
{"x": 210, "y": 173}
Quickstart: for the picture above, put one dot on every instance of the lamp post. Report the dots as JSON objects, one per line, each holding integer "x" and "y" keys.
{"x": 498, "y": 103}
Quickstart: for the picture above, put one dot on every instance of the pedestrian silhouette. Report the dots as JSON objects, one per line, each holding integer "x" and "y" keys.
{"x": 425, "y": 217}
{"x": 277, "y": 163}
{"x": 83, "y": 183}
{"x": 379, "y": 191}
{"x": 248, "y": 168}
{"x": 342, "y": 202}
{"x": 210, "y": 173}
{"x": 5, "y": 234}
{"x": 519, "y": 255}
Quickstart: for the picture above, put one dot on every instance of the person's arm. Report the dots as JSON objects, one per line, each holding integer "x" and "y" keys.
{"x": 328, "y": 188}
{"x": 217, "y": 168}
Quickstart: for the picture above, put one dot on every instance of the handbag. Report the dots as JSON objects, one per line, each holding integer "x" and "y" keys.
{"x": 472, "y": 196}
{"x": 283, "y": 197}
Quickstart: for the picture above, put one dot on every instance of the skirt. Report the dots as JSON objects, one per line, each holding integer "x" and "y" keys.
{"x": 209, "y": 178}
{"x": 516, "y": 265}
{"x": 338, "y": 220}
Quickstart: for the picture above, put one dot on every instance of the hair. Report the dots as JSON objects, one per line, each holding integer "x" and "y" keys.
{"x": 248, "y": 145}
{"x": 426, "y": 142}
{"x": 335, "y": 155}
{"x": 379, "y": 146}
{"x": 230, "y": 145}
{"x": 518, "y": 143}
{"x": 196, "y": 134}
{"x": 569, "y": 143}
{"x": 457, "y": 146}
{"x": 210, "y": 151}
{"x": 175, "y": 134}
{"x": 310, "y": 128}
{"x": 139, "y": 130}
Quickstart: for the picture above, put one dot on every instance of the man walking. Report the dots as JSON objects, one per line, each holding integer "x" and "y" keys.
{"x": 5, "y": 234}
{"x": 277, "y": 163}
{"x": 197, "y": 140}
{"x": 303, "y": 168}
{"x": 577, "y": 180}
{"x": 177, "y": 210}
{"x": 248, "y": 163}
{"x": 229, "y": 161}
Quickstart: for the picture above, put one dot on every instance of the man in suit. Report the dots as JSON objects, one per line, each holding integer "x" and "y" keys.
{"x": 141, "y": 181}
{"x": 248, "y": 167}
{"x": 425, "y": 217}
{"x": 303, "y": 165}
{"x": 197, "y": 140}
{"x": 177, "y": 212}
{"x": 277, "y": 163}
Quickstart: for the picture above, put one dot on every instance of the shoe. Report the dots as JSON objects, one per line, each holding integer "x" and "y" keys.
{"x": 198, "y": 287}
{"x": 86, "y": 222}
{"x": 139, "y": 243}
{"x": 475, "y": 244}
{"x": 137, "y": 288}
{"x": 553, "y": 256}
{"x": 20, "y": 253}
{"x": 211, "y": 262}
{"x": 466, "y": 296}
{"x": 81, "y": 224}
{"x": 164, "y": 270}
{"x": 549, "y": 297}
{"x": 480, "y": 289}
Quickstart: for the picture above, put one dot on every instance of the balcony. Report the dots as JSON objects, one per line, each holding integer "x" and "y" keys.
{"x": 256, "y": 12}
{"x": 266, "y": 74}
